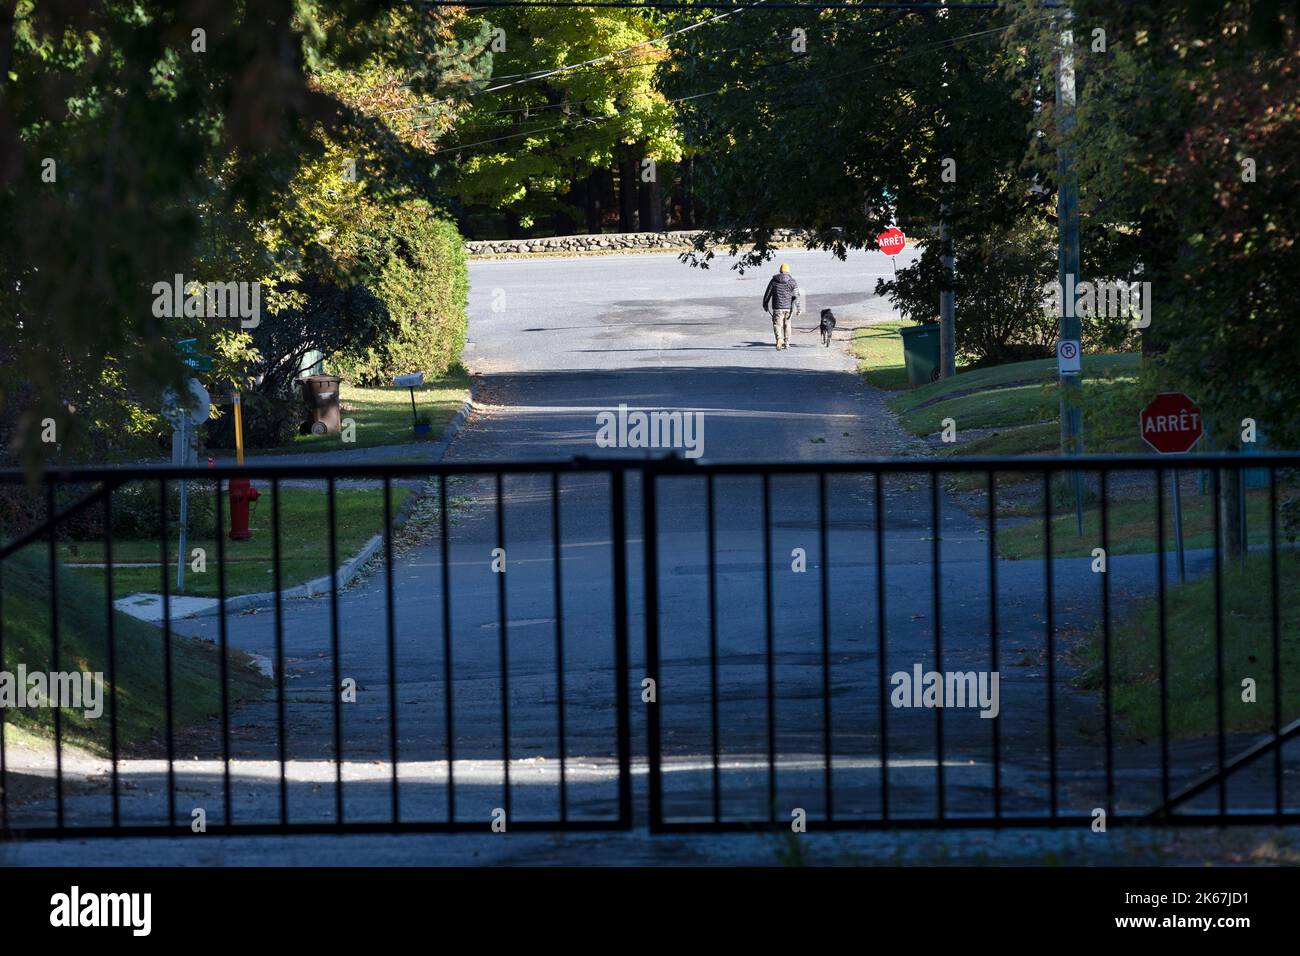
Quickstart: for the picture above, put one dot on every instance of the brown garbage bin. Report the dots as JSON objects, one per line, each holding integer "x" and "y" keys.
{"x": 321, "y": 393}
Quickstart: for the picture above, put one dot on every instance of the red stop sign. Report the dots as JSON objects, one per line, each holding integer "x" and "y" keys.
{"x": 891, "y": 241}
{"x": 1171, "y": 424}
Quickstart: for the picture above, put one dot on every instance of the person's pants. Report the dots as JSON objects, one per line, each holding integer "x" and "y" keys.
{"x": 781, "y": 326}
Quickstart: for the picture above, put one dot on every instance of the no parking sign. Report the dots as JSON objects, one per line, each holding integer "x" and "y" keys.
{"x": 1068, "y": 360}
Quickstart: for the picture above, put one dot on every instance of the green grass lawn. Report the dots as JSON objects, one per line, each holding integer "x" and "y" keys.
{"x": 1247, "y": 653}
{"x": 383, "y": 415}
{"x": 304, "y": 545}
{"x": 879, "y": 350}
{"x": 1022, "y": 394}
{"x": 1131, "y": 528}
{"x": 83, "y": 645}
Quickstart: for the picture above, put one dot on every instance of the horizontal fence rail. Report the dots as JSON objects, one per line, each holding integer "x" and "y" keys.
{"x": 496, "y": 647}
{"x": 436, "y": 692}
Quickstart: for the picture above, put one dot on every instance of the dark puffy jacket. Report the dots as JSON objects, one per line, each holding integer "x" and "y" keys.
{"x": 782, "y": 292}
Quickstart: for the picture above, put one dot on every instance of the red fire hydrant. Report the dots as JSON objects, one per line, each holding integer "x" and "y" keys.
{"x": 241, "y": 494}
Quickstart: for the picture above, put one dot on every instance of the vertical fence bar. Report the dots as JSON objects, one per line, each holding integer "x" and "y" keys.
{"x": 991, "y": 479}
{"x": 4, "y": 772}
{"x": 448, "y": 708}
{"x": 1218, "y": 644}
{"x": 1105, "y": 649}
{"x": 223, "y": 649}
{"x": 336, "y": 671}
{"x": 769, "y": 649}
{"x": 390, "y": 624}
{"x": 937, "y": 595}
{"x": 713, "y": 647}
{"x": 54, "y": 649}
{"x": 279, "y": 650}
{"x": 650, "y": 559}
{"x": 1048, "y": 566}
{"x": 559, "y": 639}
{"x": 1277, "y": 639}
{"x": 503, "y": 649}
{"x": 879, "y": 504}
{"x": 1161, "y": 588}
{"x": 618, "y": 503}
{"x": 110, "y": 633}
{"x": 167, "y": 653}
{"x": 827, "y": 741}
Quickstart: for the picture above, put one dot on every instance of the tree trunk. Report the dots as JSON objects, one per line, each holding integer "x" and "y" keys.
{"x": 650, "y": 212}
{"x": 627, "y": 200}
{"x": 593, "y": 201}
{"x": 514, "y": 228}
{"x": 688, "y": 193}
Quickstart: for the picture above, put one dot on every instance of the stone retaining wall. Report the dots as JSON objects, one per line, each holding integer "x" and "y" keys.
{"x": 602, "y": 242}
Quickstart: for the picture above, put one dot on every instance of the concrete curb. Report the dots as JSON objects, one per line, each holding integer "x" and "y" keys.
{"x": 349, "y": 569}
{"x": 454, "y": 425}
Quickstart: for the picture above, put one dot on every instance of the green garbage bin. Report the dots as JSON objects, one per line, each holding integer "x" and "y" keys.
{"x": 921, "y": 353}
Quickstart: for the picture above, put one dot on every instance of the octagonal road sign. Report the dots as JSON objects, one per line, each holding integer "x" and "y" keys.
{"x": 1171, "y": 423}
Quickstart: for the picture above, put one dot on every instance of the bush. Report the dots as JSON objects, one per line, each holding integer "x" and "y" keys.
{"x": 424, "y": 282}
{"x": 269, "y": 421}
{"x": 135, "y": 511}
{"x": 1001, "y": 306}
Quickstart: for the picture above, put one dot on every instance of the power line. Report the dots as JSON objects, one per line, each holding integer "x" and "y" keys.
{"x": 820, "y": 27}
{"x": 915, "y": 51}
{"x": 681, "y": 6}
{"x": 545, "y": 74}
{"x": 620, "y": 67}
{"x": 523, "y": 78}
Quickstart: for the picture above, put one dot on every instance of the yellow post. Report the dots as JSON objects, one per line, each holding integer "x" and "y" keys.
{"x": 239, "y": 430}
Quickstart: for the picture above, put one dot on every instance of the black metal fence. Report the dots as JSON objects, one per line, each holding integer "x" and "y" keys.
{"x": 581, "y": 645}
{"x": 820, "y": 670}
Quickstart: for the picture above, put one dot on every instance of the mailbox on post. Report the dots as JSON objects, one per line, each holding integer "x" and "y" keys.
{"x": 412, "y": 381}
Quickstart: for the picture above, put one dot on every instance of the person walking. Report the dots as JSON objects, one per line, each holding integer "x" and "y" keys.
{"x": 782, "y": 298}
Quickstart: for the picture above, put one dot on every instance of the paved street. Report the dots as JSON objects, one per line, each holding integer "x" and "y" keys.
{"x": 554, "y": 343}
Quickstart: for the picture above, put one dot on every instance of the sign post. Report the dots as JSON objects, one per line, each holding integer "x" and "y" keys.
{"x": 1069, "y": 365}
{"x": 1172, "y": 425}
{"x": 185, "y": 412}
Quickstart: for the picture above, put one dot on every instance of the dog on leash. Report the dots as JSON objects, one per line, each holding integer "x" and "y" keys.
{"x": 827, "y": 326}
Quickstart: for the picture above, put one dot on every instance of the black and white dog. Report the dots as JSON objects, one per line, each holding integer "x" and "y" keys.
{"x": 828, "y": 326}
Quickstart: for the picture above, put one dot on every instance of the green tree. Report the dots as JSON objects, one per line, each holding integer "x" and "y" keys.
{"x": 541, "y": 128}
{"x": 841, "y": 122}
{"x": 146, "y": 140}
{"x": 1188, "y": 140}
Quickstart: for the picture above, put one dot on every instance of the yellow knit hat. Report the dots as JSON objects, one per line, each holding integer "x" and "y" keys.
{"x": 785, "y": 267}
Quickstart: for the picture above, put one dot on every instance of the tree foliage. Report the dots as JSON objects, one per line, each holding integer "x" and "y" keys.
{"x": 422, "y": 283}
{"x": 840, "y": 123}
{"x": 141, "y": 141}
{"x": 1182, "y": 96}
{"x": 524, "y": 138}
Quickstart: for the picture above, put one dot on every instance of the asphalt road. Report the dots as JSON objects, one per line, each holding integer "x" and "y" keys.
{"x": 555, "y": 343}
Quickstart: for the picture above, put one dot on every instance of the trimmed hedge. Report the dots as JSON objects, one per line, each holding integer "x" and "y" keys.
{"x": 424, "y": 282}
